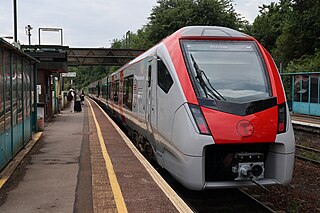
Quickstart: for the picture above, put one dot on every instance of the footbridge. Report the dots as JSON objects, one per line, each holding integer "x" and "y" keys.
{"x": 70, "y": 56}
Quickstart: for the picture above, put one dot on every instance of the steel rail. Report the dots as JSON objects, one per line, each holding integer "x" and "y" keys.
{"x": 309, "y": 149}
{"x": 263, "y": 205}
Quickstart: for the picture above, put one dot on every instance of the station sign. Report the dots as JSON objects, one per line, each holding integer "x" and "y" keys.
{"x": 69, "y": 75}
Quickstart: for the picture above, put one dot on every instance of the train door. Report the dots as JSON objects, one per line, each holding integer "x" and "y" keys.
{"x": 151, "y": 115}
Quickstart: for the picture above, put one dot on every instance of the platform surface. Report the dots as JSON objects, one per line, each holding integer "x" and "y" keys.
{"x": 68, "y": 171}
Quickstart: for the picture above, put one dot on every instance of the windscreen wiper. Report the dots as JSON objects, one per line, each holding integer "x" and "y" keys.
{"x": 208, "y": 90}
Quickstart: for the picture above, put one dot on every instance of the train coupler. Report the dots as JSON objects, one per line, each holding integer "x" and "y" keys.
{"x": 248, "y": 166}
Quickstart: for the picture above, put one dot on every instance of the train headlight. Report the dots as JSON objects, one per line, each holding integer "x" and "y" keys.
{"x": 199, "y": 118}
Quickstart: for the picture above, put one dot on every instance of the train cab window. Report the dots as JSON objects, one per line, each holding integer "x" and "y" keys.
{"x": 164, "y": 78}
{"x": 233, "y": 71}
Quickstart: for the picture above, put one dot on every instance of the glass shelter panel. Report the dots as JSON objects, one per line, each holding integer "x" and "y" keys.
{"x": 1, "y": 93}
{"x": 14, "y": 90}
{"x": 297, "y": 88}
{"x": 19, "y": 91}
{"x": 305, "y": 88}
{"x": 26, "y": 69}
{"x": 28, "y": 90}
{"x": 32, "y": 82}
{"x": 7, "y": 67}
{"x": 314, "y": 92}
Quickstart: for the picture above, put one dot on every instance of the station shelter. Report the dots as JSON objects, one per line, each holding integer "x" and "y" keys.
{"x": 303, "y": 92}
{"x": 18, "y": 108}
{"x": 53, "y": 62}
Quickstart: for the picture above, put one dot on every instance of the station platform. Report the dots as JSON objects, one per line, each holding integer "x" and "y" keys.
{"x": 305, "y": 120}
{"x": 85, "y": 163}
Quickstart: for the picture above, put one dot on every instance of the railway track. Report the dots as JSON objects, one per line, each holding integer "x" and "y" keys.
{"x": 216, "y": 200}
{"x": 307, "y": 153}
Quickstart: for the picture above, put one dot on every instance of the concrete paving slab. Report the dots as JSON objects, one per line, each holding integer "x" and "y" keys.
{"x": 48, "y": 182}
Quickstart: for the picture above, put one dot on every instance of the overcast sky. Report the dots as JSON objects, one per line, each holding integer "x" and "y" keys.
{"x": 89, "y": 23}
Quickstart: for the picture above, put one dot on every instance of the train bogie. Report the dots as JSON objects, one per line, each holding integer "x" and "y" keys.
{"x": 209, "y": 104}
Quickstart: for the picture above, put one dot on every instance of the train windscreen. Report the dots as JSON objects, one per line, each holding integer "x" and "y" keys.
{"x": 231, "y": 71}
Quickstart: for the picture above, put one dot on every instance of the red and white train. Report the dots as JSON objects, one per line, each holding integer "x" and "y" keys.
{"x": 208, "y": 104}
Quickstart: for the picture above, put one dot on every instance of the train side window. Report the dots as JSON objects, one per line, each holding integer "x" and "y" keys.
{"x": 149, "y": 76}
{"x": 116, "y": 91}
{"x": 164, "y": 78}
{"x": 128, "y": 92}
{"x": 109, "y": 91}
{"x": 124, "y": 102}
{"x": 104, "y": 91}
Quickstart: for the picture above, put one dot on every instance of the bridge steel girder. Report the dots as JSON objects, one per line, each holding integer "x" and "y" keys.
{"x": 100, "y": 56}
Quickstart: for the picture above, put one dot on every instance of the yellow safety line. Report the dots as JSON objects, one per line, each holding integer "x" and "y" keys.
{"x": 121, "y": 206}
{"x": 3, "y": 181}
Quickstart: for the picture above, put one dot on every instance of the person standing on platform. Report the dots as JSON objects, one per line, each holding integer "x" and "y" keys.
{"x": 82, "y": 97}
{"x": 71, "y": 98}
{"x": 77, "y": 102}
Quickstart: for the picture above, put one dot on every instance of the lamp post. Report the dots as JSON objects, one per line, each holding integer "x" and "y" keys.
{"x": 128, "y": 39}
{"x": 28, "y": 29}
{"x": 15, "y": 21}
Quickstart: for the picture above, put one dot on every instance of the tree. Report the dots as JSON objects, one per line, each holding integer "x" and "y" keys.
{"x": 170, "y": 15}
{"x": 88, "y": 74}
{"x": 289, "y": 29}
{"x": 268, "y": 25}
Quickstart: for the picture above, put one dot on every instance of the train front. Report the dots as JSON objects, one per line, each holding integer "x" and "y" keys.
{"x": 240, "y": 103}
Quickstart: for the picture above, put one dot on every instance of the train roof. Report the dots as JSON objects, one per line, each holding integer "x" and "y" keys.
{"x": 211, "y": 31}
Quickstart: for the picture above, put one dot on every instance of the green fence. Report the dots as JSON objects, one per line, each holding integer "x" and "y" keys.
{"x": 303, "y": 90}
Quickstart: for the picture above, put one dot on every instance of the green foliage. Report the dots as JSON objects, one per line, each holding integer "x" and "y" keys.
{"x": 309, "y": 63}
{"x": 88, "y": 74}
{"x": 290, "y": 30}
{"x": 170, "y": 15}
{"x": 117, "y": 43}
{"x": 267, "y": 27}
